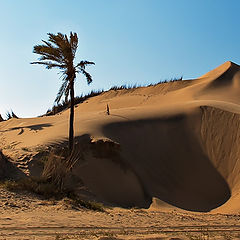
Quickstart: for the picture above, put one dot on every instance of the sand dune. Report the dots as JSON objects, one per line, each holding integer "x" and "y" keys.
{"x": 177, "y": 142}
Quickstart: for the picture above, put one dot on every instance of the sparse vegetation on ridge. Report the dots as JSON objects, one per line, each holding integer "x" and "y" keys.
{"x": 80, "y": 99}
{"x": 10, "y": 115}
{"x": 66, "y": 104}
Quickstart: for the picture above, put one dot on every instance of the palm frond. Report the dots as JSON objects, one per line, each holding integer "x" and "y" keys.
{"x": 50, "y": 65}
{"x": 61, "y": 91}
{"x": 62, "y": 42}
{"x": 86, "y": 74}
{"x": 41, "y": 48}
{"x": 73, "y": 42}
{"x": 48, "y": 44}
{"x": 66, "y": 93}
{"x": 57, "y": 39}
{"x": 49, "y": 53}
{"x": 83, "y": 64}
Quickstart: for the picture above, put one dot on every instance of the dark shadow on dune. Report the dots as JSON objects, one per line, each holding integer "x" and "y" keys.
{"x": 103, "y": 173}
{"x": 168, "y": 158}
{"x": 36, "y": 127}
{"x": 115, "y": 115}
{"x": 63, "y": 143}
{"x": 8, "y": 170}
{"x": 21, "y": 131}
{"x": 226, "y": 78}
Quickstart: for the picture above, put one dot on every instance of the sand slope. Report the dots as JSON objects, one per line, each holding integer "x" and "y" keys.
{"x": 176, "y": 141}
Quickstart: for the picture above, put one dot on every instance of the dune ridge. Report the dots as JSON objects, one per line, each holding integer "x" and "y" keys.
{"x": 176, "y": 142}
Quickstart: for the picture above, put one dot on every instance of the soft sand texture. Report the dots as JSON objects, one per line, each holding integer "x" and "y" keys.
{"x": 177, "y": 141}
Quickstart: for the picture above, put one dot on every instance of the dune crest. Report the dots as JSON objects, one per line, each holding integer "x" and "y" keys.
{"x": 216, "y": 72}
{"x": 227, "y": 74}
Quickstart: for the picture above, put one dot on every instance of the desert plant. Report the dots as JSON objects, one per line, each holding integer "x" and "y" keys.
{"x": 55, "y": 169}
{"x": 65, "y": 104}
{"x": 14, "y": 115}
{"x": 35, "y": 185}
{"x": 8, "y": 115}
{"x": 59, "y": 52}
{"x": 43, "y": 187}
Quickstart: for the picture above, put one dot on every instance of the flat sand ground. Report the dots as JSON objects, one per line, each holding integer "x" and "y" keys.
{"x": 167, "y": 156}
{"x": 25, "y": 216}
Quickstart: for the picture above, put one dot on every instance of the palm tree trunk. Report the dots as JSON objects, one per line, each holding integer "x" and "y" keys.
{"x": 71, "y": 131}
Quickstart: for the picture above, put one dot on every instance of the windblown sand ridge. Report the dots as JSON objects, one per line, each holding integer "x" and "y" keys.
{"x": 176, "y": 141}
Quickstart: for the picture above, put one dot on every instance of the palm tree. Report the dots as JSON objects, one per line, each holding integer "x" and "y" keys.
{"x": 59, "y": 52}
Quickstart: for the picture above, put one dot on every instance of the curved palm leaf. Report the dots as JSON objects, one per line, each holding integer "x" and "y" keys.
{"x": 86, "y": 74}
{"x": 83, "y": 64}
{"x": 61, "y": 91}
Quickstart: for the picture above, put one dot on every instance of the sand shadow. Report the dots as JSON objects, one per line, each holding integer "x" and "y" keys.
{"x": 8, "y": 170}
{"x": 168, "y": 158}
{"x": 116, "y": 115}
{"x": 35, "y": 127}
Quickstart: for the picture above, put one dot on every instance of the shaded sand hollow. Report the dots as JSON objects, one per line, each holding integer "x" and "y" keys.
{"x": 170, "y": 146}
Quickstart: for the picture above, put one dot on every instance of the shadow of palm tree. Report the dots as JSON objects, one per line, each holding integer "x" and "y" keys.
{"x": 36, "y": 127}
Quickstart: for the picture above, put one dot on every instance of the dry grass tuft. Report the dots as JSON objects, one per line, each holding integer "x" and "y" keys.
{"x": 10, "y": 115}
{"x": 49, "y": 190}
{"x": 57, "y": 167}
{"x": 34, "y": 185}
{"x": 80, "y": 99}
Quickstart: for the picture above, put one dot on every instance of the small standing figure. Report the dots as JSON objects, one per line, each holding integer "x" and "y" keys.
{"x": 108, "y": 112}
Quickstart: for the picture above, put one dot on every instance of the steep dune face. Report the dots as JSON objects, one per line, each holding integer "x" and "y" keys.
{"x": 228, "y": 68}
{"x": 167, "y": 155}
{"x": 220, "y": 132}
{"x": 226, "y": 75}
{"x": 3, "y": 166}
{"x": 109, "y": 177}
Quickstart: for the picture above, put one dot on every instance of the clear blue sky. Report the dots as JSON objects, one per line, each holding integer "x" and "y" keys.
{"x": 131, "y": 41}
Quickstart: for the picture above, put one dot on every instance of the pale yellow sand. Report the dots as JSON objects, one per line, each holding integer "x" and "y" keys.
{"x": 175, "y": 143}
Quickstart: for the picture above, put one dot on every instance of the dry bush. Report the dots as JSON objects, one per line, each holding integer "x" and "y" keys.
{"x": 14, "y": 115}
{"x": 10, "y": 115}
{"x": 55, "y": 169}
{"x": 66, "y": 104}
{"x": 35, "y": 185}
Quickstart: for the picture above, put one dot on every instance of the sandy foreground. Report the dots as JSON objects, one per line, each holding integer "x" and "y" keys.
{"x": 167, "y": 159}
{"x": 24, "y": 216}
